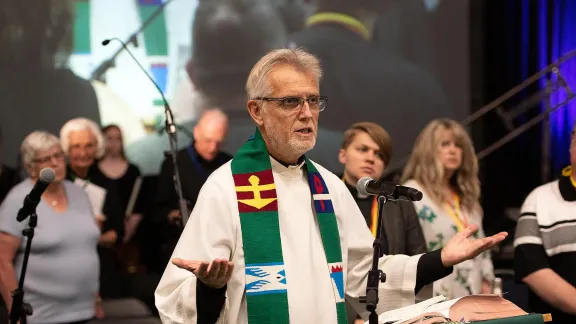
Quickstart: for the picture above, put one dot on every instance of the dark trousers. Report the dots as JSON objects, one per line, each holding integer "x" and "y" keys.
{"x": 352, "y": 315}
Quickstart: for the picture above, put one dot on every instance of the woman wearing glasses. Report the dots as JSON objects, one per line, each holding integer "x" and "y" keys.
{"x": 61, "y": 281}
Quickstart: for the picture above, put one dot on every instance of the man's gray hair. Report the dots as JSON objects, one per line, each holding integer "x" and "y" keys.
{"x": 35, "y": 142}
{"x": 258, "y": 84}
{"x": 81, "y": 124}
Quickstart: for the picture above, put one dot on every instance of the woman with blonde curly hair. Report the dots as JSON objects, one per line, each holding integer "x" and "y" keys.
{"x": 444, "y": 166}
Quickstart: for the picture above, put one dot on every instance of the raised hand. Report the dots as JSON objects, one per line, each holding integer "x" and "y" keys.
{"x": 461, "y": 247}
{"x": 215, "y": 274}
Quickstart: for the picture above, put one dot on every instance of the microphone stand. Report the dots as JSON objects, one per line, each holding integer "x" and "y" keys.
{"x": 20, "y": 309}
{"x": 375, "y": 275}
{"x": 181, "y": 129}
{"x": 171, "y": 130}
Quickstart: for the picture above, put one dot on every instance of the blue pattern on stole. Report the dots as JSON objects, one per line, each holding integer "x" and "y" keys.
{"x": 267, "y": 278}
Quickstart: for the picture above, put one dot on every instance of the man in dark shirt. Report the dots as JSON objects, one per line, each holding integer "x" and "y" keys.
{"x": 195, "y": 162}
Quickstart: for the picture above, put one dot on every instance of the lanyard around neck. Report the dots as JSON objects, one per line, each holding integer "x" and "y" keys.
{"x": 455, "y": 212}
{"x": 345, "y": 20}
{"x": 197, "y": 165}
{"x": 373, "y": 214}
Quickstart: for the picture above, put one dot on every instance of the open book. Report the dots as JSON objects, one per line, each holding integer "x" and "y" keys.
{"x": 469, "y": 308}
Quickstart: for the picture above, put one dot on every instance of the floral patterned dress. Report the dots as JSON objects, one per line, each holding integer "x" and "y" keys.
{"x": 439, "y": 225}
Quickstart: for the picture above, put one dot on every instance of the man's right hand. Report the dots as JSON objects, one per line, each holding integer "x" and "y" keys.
{"x": 215, "y": 275}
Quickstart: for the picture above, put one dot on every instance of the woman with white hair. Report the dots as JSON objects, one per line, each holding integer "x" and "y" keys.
{"x": 444, "y": 166}
{"x": 83, "y": 144}
{"x": 62, "y": 276}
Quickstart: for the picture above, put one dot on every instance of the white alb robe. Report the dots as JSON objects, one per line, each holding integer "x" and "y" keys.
{"x": 213, "y": 231}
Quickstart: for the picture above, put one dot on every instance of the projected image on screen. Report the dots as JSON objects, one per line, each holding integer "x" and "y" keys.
{"x": 406, "y": 68}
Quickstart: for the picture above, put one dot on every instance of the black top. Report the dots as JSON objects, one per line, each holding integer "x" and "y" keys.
{"x": 112, "y": 208}
{"x": 125, "y": 185}
{"x": 110, "y": 272}
{"x": 8, "y": 179}
{"x": 194, "y": 171}
{"x": 365, "y": 205}
{"x": 402, "y": 232}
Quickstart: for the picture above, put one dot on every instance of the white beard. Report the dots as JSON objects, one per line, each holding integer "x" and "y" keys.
{"x": 280, "y": 144}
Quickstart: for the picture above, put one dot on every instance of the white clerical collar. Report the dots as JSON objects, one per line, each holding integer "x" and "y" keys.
{"x": 279, "y": 167}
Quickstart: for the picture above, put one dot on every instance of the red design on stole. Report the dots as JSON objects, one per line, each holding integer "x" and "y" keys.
{"x": 319, "y": 189}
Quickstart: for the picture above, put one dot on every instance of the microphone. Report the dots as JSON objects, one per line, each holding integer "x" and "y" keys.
{"x": 32, "y": 200}
{"x": 368, "y": 186}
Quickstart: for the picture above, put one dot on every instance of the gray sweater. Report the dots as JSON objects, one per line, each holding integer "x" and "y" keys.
{"x": 62, "y": 276}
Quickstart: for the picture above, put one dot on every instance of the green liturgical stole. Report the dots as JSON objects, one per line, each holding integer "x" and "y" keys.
{"x": 266, "y": 280}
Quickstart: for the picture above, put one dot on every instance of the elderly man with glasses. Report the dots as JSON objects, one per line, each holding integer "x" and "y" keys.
{"x": 277, "y": 238}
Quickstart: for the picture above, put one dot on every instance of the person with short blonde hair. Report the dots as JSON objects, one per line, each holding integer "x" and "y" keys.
{"x": 444, "y": 166}
{"x": 62, "y": 275}
{"x": 366, "y": 151}
{"x": 378, "y": 134}
{"x": 275, "y": 237}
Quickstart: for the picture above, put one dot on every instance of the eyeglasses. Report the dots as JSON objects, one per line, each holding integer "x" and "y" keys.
{"x": 56, "y": 156}
{"x": 292, "y": 103}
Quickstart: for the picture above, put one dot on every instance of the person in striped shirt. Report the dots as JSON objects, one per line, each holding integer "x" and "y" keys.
{"x": 545, "y": 245}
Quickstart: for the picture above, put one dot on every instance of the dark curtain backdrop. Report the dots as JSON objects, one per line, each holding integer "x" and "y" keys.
{"x": 509, "y": 173}
{"x": 556, "y": 23}
{"x": 520, "y": 37}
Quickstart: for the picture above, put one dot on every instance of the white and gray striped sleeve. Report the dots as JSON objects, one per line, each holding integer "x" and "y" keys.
{"x": 529, "y": 253}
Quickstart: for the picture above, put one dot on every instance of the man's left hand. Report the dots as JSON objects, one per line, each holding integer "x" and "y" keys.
{"x": 461, "y": 247}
